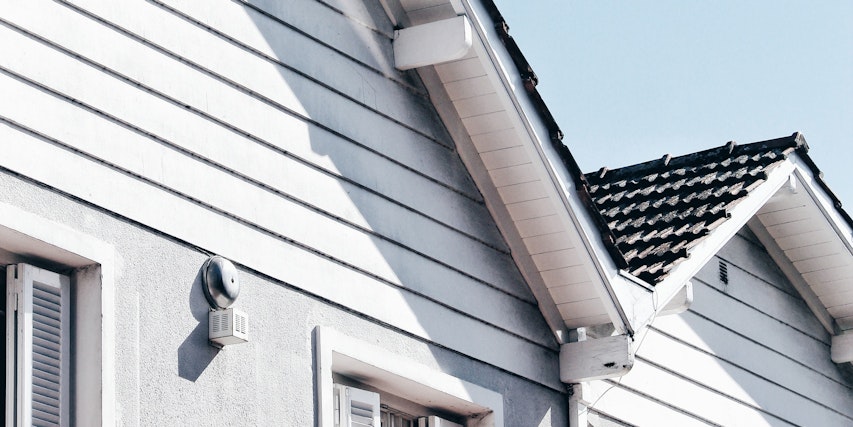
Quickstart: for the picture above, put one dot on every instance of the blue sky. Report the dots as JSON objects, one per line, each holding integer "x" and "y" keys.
{"x": 632, "y": 81}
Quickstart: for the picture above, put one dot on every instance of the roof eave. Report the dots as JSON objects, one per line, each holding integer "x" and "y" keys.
{"x": 576, "y": 238}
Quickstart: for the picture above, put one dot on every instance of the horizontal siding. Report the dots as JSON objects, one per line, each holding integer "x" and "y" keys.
{"x": 636, "y": 408}
{"x": 305, "y": 177}
{"x": 746, "y": 353}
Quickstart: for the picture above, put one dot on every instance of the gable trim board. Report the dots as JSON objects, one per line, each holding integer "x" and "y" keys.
{"x": 541, "y": 201}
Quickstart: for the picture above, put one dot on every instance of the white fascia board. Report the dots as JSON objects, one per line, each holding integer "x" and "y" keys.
{"x": 622, "y": 297}
{"x": 840, "y": 226}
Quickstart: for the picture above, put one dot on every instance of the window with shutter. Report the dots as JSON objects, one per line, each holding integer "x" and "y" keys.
{"x": 37, "y": 363}
{"x": 355, "y": 407}
{"x": 362, "y": 384}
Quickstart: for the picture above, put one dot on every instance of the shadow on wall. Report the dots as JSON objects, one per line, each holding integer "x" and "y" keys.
{"x": 196, "y": 353}
{"x": 386, "y": 143}
{"x": 370, "y": 158}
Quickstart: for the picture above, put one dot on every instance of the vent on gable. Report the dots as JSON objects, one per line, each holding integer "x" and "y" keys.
{"x": 724, "y": 273}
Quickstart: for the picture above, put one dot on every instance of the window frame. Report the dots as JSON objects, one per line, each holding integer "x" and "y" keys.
{"x": 93, "y": 264}
{"x": 337, "y": 353}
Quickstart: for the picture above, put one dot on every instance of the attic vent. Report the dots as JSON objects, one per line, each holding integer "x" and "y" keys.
{"x": 724, "y": 273}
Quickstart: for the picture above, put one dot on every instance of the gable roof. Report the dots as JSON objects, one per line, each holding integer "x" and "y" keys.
{"x": 663, "y": 212}
{"x": 618, "y": 247}
{"x": 658, "y": 210}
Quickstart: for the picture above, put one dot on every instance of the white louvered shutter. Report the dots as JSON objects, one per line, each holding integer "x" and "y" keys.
{"x": 355, "y": 407}
{"x": 433, "y": 421}
{"x": 37, "y": 363}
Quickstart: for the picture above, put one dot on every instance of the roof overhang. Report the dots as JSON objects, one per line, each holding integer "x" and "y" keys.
{"x": 801, "y": 224}
{"x": 535, "y": 191}
{"x": 503, "y": 133}
{"x": 811, "y": 239}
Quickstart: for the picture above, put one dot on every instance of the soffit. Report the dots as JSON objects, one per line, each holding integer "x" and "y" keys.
{"x": 814, "y": 238}
{"x": 508, "y": 139}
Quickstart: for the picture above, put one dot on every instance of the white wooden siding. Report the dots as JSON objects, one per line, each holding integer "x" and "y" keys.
{"x": 749, "y": 352}
{"x": 285, "y": 128}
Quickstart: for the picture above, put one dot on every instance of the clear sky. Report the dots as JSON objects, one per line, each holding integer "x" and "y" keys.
{"x": 631, "y": 81}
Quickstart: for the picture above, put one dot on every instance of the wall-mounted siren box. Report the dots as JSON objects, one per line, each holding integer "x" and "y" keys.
{"x": 228, "y": 326}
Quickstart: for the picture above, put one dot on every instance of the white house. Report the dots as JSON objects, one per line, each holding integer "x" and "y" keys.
{"x": 414, "y": 245}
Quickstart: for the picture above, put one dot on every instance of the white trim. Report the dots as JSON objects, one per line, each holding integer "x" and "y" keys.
{"x": 823, "y": 202}
{"x": 596, "y": 359}
{"x": 577, "y": 220}
{"x": 432, "y": 43}
{"x": 60, "y": 243}
{"x": 493, "y": 201}
{"x": 842, "y": 348}
{"x": 339, "y": 353}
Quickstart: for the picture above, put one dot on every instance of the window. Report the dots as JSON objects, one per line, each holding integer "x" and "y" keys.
{"x": 359, "y": 384}
{"x": 359, "y": 407}
{"x": 37, "y": 357}
{"x": 83, "y": 300}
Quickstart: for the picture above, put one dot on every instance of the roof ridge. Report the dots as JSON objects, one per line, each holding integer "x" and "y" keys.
{"x": 667, "y": 162}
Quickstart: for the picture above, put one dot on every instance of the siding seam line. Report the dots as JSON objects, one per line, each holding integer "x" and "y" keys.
{"x": 249, "y": 224}
{"x": 248, "y": 135}
{"x": 746, "y": 370}
{"x": 727, "y": 396}
{"x": 354, "y": 19}
{"x": 766, "y": 347}
{"x": 279, "y": 282}
{"x": 256, "y": 95}
{"x": 321, "y": 42}
{"x": 759, "y": 278}
{"x": 763, "y": 313}
{"x": 252, "y": 181}
{"x": 192, "y": 21}
{"x": 614, "y": 383}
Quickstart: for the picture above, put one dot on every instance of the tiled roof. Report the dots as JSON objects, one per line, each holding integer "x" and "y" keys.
{"x": 657, "y": 258}
{"x": 660, "y": 209}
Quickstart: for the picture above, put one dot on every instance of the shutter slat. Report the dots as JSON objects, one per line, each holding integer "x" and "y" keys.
{"x": 357, "y": 408}
{"x": 41, "y": 347}
{"x": 47, "y": 351}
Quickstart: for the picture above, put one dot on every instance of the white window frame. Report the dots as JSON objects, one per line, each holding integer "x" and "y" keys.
{"x": 337, "y": 353}
{"x": 93, "y": 261}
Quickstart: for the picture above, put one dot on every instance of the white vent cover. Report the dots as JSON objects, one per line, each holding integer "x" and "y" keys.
{"x": 229, "y": 326}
